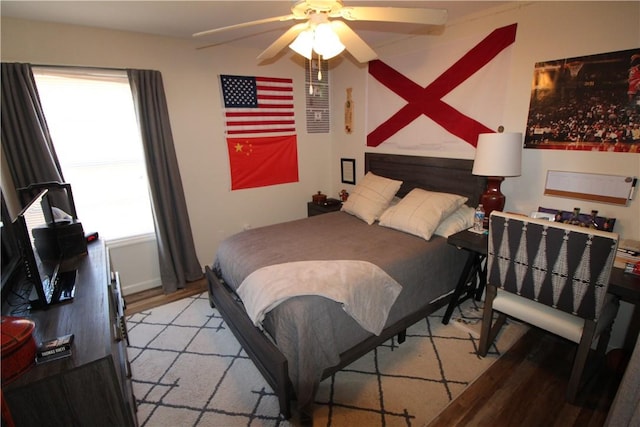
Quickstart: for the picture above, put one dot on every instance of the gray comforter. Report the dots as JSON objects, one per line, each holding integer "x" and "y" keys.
{"x": 312, "y": 331}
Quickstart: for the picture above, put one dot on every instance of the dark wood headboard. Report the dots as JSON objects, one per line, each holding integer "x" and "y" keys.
{"x": 430, "y": 173}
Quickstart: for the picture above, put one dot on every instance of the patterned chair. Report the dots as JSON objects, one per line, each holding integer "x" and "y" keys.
{"x": 553, "y": 276}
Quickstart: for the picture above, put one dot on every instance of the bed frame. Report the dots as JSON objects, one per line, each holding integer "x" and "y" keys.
{"x": 435, "y": 174}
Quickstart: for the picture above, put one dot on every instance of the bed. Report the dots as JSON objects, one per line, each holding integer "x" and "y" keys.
{"x": 307, "y": 338}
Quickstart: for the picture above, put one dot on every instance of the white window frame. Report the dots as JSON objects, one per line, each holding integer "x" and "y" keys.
{"x": 109, "y": 212}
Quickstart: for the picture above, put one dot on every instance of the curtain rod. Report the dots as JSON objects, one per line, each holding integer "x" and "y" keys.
{"x": 86, "y": 67}
{"x": 72, "y": 71}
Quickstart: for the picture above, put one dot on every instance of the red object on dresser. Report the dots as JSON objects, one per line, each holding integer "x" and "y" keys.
{"x": 18, "y": 347}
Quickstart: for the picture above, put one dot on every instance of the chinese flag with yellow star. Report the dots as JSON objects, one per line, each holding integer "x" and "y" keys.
{"x": 260, "y": 127}
{"x": 258, "y": 162}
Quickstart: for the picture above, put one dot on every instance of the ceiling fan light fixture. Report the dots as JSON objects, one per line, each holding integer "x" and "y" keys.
{"x": 320, "y": 39}
{"x": 303, "y": 44}
{"x": 302, "y": 37}
{"x": 326, "y": 42}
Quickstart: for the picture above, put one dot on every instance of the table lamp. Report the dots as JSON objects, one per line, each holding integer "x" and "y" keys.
{"x": 497, "y": 155}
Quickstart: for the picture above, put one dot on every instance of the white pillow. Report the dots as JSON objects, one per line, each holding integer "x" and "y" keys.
{"x": 395, "y": 201}
{"x": 421, "y": 211}
{"x": 371, "y": 197}
{"x": 459, "y": 220}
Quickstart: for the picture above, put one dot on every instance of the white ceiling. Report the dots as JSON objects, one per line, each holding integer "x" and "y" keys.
{"x": 183, "y": 18}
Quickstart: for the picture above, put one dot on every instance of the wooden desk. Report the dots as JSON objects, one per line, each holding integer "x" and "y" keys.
{"x": 627, "y": 287}
{"x": 93, "y": 385}
{"x": 473, "y": 278}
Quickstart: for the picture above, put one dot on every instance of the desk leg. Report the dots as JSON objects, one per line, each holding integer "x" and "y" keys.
{"x": 461, "y": 286}
{"x": 482, "y": 276}
{"x": 633, "y": 330}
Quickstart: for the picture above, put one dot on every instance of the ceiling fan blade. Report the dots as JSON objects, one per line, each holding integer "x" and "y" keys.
{"x": 353, "y": 43}
{"x": 411, "y": 15}
{"x": 245, "y": 24}
{"x": 282, "y": 41}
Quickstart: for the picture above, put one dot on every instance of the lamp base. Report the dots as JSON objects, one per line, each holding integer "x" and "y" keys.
{"x": 492, "y": 199}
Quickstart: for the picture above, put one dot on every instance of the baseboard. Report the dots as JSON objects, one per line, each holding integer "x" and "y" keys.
{"x": 134, "y": 288}
{"x": 155, "y": 297}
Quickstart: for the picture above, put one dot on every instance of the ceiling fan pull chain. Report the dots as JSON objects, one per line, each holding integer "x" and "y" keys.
{"x": 310, "y": 76}
{"x": 319, "y": 68}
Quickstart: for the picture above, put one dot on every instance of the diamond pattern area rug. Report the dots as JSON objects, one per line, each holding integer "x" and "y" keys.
{"x": 189, "y": 370}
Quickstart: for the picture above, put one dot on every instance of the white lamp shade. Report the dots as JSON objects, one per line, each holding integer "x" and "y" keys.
{"x": 303, "y": 43}
{"x": 498, "y": 154}
{"x": 326, "y": 42}
{"x": 321, "y": 39}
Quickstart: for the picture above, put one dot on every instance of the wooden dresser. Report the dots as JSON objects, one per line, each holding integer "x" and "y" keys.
{"x": 92, "y": 386}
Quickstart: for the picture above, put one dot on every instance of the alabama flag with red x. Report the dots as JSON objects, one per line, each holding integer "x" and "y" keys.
{"x": 440, "y": 99}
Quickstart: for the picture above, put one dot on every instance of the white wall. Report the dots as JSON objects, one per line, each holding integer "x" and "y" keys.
{"x": 136, "y": 261}
{"x": 191, "y": 83}
{"x": 546, "y": 31}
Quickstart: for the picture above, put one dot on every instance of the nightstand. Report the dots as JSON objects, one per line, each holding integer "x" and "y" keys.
{"x": 316, "y": 209}
{"x": 474, "y": 274}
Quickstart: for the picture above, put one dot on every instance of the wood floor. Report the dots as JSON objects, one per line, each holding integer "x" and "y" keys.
{"x": 525, "y": 387}
{"x": 145, "y": 300}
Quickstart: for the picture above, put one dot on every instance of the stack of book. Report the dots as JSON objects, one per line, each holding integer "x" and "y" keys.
{"x": 628, "y": 256}
{"x": 54, "y": 349}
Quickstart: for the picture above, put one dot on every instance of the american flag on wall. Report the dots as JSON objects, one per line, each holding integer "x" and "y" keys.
{"x": 261, "y": 132}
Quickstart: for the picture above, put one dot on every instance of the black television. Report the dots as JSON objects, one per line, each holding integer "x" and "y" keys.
{"x": 10, "y": 255}
{"x": 48, "y": 283}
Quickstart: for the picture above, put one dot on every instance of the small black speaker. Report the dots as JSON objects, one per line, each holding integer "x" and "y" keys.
{"x": 61, "y": 241}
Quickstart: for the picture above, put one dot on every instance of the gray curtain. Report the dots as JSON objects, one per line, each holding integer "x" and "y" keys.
{"x": 25, "y": 135}
{"x": 178, "y": 261}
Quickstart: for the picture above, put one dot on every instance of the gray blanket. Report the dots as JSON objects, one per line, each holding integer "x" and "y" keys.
{"x": 312, "y": 331}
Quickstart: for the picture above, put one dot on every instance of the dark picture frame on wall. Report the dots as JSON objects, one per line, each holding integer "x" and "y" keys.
{"x": 348, "y": 171}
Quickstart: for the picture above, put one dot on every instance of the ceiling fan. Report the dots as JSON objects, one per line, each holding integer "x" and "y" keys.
{"x": 328, "y": 38}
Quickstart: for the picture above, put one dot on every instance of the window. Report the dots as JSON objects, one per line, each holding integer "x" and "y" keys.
{"x": 93, "y": 126}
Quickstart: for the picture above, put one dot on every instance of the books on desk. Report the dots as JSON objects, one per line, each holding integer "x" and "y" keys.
{"x": 54, "y": 349}
{"x": 628, "y": 256}
{"x": 633, "y": 268}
